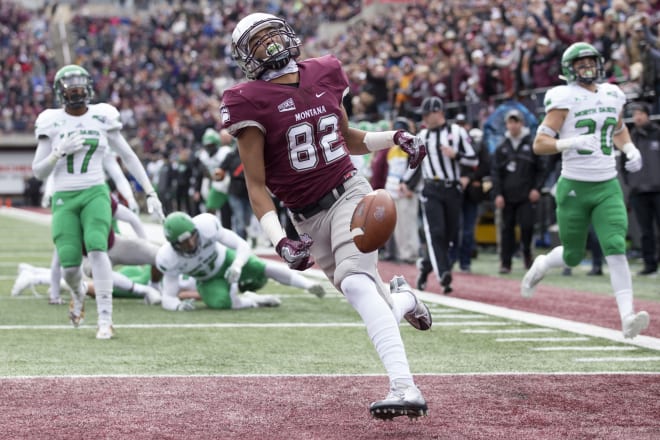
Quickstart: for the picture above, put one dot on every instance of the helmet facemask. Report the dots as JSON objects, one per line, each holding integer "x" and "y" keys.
{"x": 74, "y": 91}
{"x": 187, "y": 243}
{"x": 280, "y": 44}
{"x": 572, "y": 56}
{"x": 590, "y": 74}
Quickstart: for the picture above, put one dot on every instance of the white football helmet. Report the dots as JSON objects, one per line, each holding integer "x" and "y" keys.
{"x": 281, "y": 44}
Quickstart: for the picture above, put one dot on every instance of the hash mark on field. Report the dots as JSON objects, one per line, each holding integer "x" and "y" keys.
{"x": 468, "y": 323}
{"x": 587, "y": 348}
{"x": 619, "y": 359}
{"x": 558, "y": 339}
{"x": 513, "y": 330}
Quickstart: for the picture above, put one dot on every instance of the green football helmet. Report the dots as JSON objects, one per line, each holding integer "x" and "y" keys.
{"x": 179, "y": 229}
{"x": 211, "y": 137}
{"x": 73, "y": 86}
{"x": 575, "y": 52}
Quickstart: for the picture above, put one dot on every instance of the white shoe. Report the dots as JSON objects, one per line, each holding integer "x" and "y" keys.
{"x": 152, "y": 297}
{"x": 317, "y": 290}
{"x": 420, "y": 316}
{"x": 23, "y": 281}
{"x": 533, "y": 276}
{"x": 105, "y": 331}
{"x": 634, "y": 323}
{"x": 402, "y": 400}
{"x": 263, "y": 300}
{"x": 77, "y": 306}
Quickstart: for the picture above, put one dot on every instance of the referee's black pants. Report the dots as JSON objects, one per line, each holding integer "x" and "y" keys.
{"x": 441, "y": 213}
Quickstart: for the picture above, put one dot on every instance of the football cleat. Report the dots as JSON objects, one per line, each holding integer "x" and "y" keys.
{"x": 533, "y": 276}
{"x": 77, "y": 306}
{"x": 23, "y": 281}
{"x": 152, "y": 296}
{"x": 105, "y": 331}
{"x": 445, "y": 282}
{"x": 317, "y": 290}
{"x": 420, "y": 316}
{"x": 263, "y": 300}
{"x": 423, "y": 274}
{"x": 634, "y": 323}
{"x": 402, "y": 400}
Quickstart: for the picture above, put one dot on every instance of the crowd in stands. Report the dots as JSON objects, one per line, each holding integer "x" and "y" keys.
{"x": 166, "y": 71}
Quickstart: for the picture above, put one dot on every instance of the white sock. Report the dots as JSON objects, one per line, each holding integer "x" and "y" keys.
{"x": 286, "y": 276}
{"x": 621, "y": 283}
{"x": 102, "y": 276}
{"x": 555, "y": 258}
{"x": 404, "y": 302}
{"x": 382, "y": 326}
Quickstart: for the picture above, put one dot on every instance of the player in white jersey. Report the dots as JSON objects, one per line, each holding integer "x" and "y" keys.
{"x": 211, "y": 156}
{"x": 586, "y": 117}
{"x": 222, "y": 264}
{"x": 72, "y": 142}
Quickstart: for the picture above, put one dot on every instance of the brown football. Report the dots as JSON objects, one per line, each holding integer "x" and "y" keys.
{"x": 373, "y": 220}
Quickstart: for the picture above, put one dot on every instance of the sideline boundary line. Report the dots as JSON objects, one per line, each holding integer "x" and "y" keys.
{"x": 154, "y": 232}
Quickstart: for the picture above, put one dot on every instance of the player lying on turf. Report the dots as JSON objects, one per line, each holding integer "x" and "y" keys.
{"x": 221, "y": 262}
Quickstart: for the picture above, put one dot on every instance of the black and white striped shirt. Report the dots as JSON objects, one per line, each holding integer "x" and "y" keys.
{"x": 437, "y": 166}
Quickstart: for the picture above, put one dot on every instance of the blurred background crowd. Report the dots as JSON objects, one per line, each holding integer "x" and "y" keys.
{"x": 165, "y": 64}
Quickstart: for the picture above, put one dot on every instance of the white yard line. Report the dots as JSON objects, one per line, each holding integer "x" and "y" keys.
{"x": 558, "y": 339}
{"x": 510, "y": 330}
{"x": 155, "y": 233}
{"x": 587, "y": 348}
{"x": 619, "y": 359}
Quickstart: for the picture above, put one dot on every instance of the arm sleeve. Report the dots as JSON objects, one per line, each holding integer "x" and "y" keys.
{"x": 132, "y": 162}
{"x": 115, "y": 173}
{"x": 170, "y": 299}
{"x": 233, "y": 241}
{"x": 43, "y": 162}
{"x": 126, "y": 215}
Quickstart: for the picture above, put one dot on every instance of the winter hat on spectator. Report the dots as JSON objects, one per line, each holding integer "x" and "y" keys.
{"x": 477, "y": 54}
{"x": 542, "y": 41}
{"x": 514, "y": 114}
{"x": 640, "y": 106}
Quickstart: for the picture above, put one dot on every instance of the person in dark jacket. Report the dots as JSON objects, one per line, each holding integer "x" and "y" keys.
{"x": 518, "y": 175}
{"x": 645, "y": 184}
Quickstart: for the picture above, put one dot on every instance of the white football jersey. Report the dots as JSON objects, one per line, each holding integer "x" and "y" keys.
{"x": 588, "y": 112}
{"x": 210, "y": 255}
{"x": 213, "y": 162}
{"x": 84, "y": 168}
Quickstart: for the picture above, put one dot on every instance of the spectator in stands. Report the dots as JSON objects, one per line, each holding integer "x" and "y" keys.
{"x": 645, "y": 184}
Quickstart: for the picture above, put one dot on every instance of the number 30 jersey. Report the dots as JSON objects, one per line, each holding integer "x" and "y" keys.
{"x": 588, "y": 112}
{"x": 84, "y": 168}
{"x": 305, "y": 152}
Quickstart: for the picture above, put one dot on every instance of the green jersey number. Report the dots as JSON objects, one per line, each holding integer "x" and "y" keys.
{"x": 605, "y": 133}
{"x": 93, "y": 144}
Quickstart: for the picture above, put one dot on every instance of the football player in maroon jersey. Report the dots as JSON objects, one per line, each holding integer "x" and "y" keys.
{"x": 294, "y": 142}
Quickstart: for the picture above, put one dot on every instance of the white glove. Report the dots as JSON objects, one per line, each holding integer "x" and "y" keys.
{"x": 133, "y": 206}
{"x": 186, "y": 305}
{"x": 584, "y": 142}
{"x": 154, "y": 207}
{"x": 233, "y": 274}
{"x": 69, "y": 145}
{"x": 633, "y": 158}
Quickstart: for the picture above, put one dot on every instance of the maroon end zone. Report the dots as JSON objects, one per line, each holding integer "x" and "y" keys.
{"x": 460, "y": 407}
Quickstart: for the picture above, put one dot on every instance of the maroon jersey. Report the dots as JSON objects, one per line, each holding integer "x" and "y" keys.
{"x": 305, "y": 152}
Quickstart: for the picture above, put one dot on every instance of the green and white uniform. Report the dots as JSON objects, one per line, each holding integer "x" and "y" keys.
{"x": 588, "y": 190}
{"x": 81, "y": 201}
{"x": 214, "y": 255}
{"x": 218, "y": 189}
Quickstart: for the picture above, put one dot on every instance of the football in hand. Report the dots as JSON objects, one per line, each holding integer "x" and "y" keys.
{"x": 373, "y": 221}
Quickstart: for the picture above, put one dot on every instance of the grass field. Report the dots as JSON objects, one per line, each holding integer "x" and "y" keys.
{"x": 307, "y": 370}
{"x": 303, "y": 336}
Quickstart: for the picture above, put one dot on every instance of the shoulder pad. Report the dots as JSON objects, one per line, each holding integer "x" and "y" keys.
{"x": 558, "y": 97}
{"x": 47, "y": 121}
{"x": 107, "y": 114}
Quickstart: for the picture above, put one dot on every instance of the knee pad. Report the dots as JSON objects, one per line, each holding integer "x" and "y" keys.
{"x": 572, "y": 257}
{"x": 96, "y": 241}
{"x": 218, "y": 302}
{"x": 70, "y": 256}
{"x": 614, "y": 245}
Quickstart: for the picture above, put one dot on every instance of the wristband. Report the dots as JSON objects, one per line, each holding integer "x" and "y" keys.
{"x": 379, "y": 140}
{"x": 565, "y": 144}
{"x": 272, "y": 227}
{"x": 628, "y": 147}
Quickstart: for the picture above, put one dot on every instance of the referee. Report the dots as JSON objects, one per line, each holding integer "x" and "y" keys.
{"x": 448, "y": 146}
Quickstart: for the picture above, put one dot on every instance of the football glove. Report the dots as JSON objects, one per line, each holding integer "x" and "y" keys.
{"x": 186, "y": 305}
{"x": 154, "y": 207}
{"x": 411, "y": 144}
{"x": 633, "y": 160}
{"x": 232, "y": 274}
{"x": 296, "y": 252}
{"x": 69, "y": 145}
{"x": 584, "y": 143}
